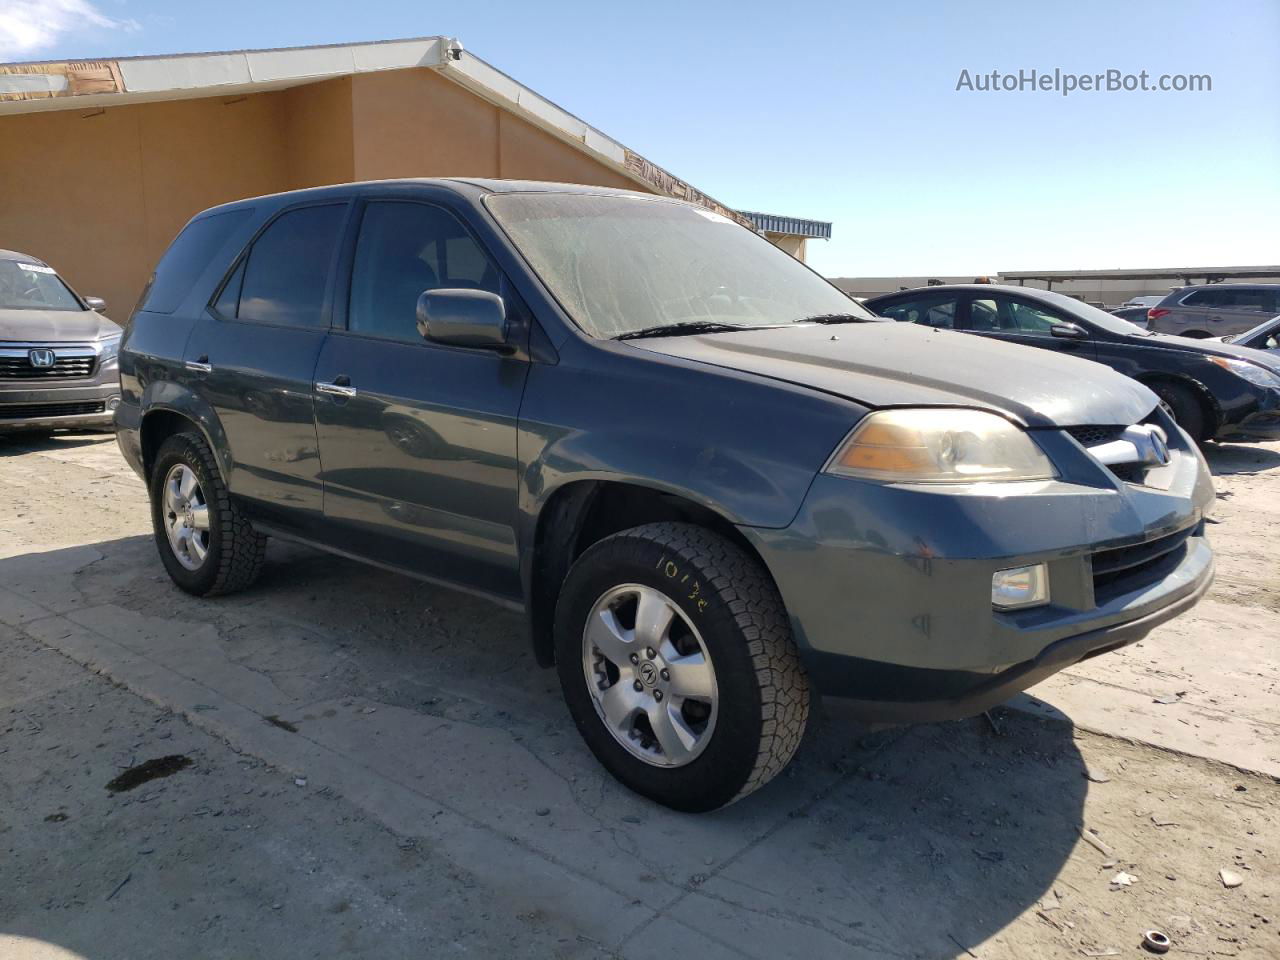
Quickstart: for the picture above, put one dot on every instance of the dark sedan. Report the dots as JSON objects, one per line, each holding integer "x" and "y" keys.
{"x": 1217, "y": 391}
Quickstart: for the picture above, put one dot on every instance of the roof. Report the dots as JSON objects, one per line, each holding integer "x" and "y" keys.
{"x": 478, "y": 184}
{"x": 22, "y": 257}
{"x": 74, "y": 85}
{"x": 792, "y": 226}
{"x": 1162, "y": 273}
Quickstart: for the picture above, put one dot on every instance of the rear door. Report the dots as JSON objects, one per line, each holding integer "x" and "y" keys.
{"x": 418, "y": 439}
{"x": 1246, "y": 308}
{"x": 254, "y": 354}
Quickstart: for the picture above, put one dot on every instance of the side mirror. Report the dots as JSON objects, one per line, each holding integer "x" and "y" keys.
{"x": 96, "y": 303}
{"x": 1068, "y": 331}
{"x": 463, "y": 318}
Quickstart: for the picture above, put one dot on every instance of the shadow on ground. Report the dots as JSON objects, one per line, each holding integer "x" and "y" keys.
{"x": 425, "y": 709}
{"x": 1229, "y": 459}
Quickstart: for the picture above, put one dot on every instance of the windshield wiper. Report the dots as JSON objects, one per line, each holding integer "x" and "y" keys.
{"x": 832, "y": 318}
{"x": 683, "y": 328}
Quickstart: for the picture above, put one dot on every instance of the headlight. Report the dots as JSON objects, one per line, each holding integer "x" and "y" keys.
{"x": 110, "y": 349}
{"x": 939, "y": 446}
{"x": 1258, "y": 376}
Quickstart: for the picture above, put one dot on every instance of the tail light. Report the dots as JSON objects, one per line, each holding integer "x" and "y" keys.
{"x": 1155, "y": 313}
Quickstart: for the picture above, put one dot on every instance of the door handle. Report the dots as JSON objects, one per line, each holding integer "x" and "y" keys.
{"x": 341, "y": 387}
{"x": 202, "y": 365}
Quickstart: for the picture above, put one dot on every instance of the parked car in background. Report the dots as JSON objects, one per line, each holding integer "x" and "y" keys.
{"x": 57, "y": 352}
{"x": 1216, "y": 390}
{"x": 631, "y": 418}
{"x": 1215, "y": 309}
{"x": 1146, "y": 300}
{"x": 1265, "y": 336}
{"x": 1135, "y": 315}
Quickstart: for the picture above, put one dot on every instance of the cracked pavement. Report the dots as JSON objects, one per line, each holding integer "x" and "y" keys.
{"x": 379, "y": 768}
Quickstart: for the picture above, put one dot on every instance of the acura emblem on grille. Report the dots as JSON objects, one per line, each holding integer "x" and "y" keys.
{"x": 42, "y": 357}
{"x": 1149, "y": 441}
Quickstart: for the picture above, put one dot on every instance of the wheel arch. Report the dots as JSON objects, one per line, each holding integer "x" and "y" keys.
{"x": 583, "y": 512}
{"x": 161, "y": 421}
{"x": 1208, "y": 404}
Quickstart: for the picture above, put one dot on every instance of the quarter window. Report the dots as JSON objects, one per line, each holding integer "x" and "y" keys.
{"x": 403, "y": 250}
{"x": 285, "y": 275}
{"x": 187, "y": 258}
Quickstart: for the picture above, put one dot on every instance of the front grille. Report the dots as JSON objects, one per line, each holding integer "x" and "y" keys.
{"x": 33, "y": 411}
{"x": 1092, "y": 436}
{"x": 64, "y": 368}
{"x": 1124, "y": 569}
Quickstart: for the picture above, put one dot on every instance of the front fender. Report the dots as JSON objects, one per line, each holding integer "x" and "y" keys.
{"x": 740, "y": 445}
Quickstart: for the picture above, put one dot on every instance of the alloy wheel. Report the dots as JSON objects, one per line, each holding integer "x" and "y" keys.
{"x": 186, "y": 516}
{"x": 650, "y": 676}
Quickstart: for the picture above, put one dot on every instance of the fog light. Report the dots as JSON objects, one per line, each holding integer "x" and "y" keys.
{"x": 113, "y": 403}
{"x": 1020, "y": 587}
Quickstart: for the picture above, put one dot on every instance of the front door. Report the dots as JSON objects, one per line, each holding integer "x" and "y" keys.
{"x": 254, "y": 355}
{"x": 417, "y": 439}
{"x": 1003, "y": 317}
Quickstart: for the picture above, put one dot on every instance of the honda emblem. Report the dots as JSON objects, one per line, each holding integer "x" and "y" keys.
{"x": 42, "y": 358}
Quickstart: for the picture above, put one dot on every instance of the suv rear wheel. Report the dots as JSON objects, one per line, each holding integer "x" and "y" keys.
{"x": 676, "y": 659}
{"x": 206, "y": 544}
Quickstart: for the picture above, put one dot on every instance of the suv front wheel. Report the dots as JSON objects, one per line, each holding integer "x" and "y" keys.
{"x": 677, "y": 663}
{"x": 206, "y": 544}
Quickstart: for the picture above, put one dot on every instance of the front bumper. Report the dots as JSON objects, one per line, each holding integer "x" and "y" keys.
{"x": 80, "y": 392}
{"x": 82, "y": 403}
{"x": 889, "y": 586}
{"x": 1261, "y": 423}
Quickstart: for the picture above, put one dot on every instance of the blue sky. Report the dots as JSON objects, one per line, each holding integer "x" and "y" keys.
{"x": 849, "y": 111}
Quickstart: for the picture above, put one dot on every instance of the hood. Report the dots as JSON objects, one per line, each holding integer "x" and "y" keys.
{"x": 55, "y": 326}
{"x": 901, "y": 364}
{"x": 1214, "y": 347}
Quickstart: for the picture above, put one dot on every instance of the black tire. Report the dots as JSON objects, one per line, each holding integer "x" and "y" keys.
{"x": 1185, "y": 407}
{"x": 236, "y": 551}
{"x": 762, "y": 689}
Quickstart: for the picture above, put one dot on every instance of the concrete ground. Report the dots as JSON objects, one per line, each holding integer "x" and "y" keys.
{"x": 363, "y": 765}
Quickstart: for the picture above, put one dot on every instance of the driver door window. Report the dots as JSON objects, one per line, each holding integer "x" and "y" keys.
{"x": 403, "y": 250}
{"x": 1032, "y": 320}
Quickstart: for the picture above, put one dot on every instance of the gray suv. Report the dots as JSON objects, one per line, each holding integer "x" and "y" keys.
{"x": 1214, "y": 309}
{"x": 57, "y": 352}
{"x": 715, "y": 484}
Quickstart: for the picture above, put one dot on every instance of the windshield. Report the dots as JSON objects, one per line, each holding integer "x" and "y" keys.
{"x": 1099, "y": 318}
{"x": 33, "y": 286}
{"x": 619, "y": 265}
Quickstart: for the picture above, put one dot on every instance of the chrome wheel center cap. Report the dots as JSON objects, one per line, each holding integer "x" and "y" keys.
{"x": 648, "y": 674}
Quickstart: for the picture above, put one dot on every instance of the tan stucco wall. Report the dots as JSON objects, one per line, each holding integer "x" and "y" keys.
{"x": 415, "y": 123}
{"x": 317, "y": 133}
{"x": 100, "y": 194}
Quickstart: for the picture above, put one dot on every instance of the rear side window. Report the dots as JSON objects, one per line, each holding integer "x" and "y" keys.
{"x": 287, "y": 270}
{"x": 187, "y": 258}
{"x": 1251, "y": 298}
{"x": 934, "y": 311}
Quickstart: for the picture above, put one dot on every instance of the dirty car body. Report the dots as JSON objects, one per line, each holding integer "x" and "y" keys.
{"x": 57, "y": 352}
{"x": 497, "y": 462}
